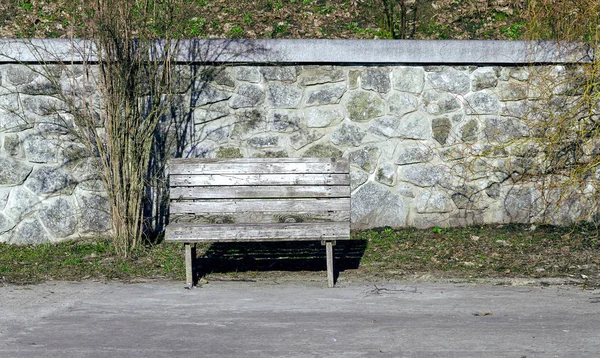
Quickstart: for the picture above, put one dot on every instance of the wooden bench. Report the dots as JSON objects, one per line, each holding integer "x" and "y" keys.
{"x": 258, "y": 199}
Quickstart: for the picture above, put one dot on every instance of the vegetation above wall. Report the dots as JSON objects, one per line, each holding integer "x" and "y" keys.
{"x": 358, "y": 19}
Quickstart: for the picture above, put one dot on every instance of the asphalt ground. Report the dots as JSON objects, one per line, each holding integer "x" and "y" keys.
{"x": 298, "y": 319}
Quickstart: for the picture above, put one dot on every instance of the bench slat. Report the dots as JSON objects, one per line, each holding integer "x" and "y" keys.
{"x": 259, "y": 179}
{"x": 252, "y": 205}
{"x": 259, "y": 168}
{"x": 258, "y": 232}
{"x": 254, "y": 217}
{"x": 247, "y": 192}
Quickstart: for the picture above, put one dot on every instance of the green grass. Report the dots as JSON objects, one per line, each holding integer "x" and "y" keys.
{"x": 473, "y": 252}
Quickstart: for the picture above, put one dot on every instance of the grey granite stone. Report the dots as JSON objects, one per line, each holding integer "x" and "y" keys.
{"x": 402, "y": 103}
{"x": 366, "y": 158}
{"x": 13, "y": 172}
{"x": 377, "y": 79}
{"x": 433, "y": 202}
{"x": 322, "y": 151}
{"x": 285, "y": 120}
{"x": 481, "y": 103}
{"x": 412, "y": 153}
{"x": 59, "y": 216}
{"x": 248, "y": 74}
{"x": 416, "y": 125}
{"x": 50, "y": 180}
{"x": 425, "y": 175}
{"x": 29, "y": 231}
{"x": 284, "y": 95}
{"x": 320, "y": 117}
{"x": 440, "y": 128}
{"x": 348, "y": 135}
{"x": 247, "y": 95}
{"x": 41, "y": 149}
{"x": 327, "y": 94}
{"x": 450, "y": 80}
{"x": 302, "y": 138}
{"x": 409, "y": 79}
{"x": 483, "y": 78}
{"x": 374, "y": 205}
{"x": 94, "y": 212}
{"x": 364, "y": 106}
{"x": 357, "y": 178}
{"x": 386, "y": 174}
{"x": 279, "y": 73}
{"x": 20, "y": 203}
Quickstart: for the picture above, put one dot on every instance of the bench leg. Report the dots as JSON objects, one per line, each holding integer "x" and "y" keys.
{"x": 190, "y": 256}
{"x": 330, "y": 273}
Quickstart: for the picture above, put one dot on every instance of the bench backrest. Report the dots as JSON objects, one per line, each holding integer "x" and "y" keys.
{"x": 259, "y": 190}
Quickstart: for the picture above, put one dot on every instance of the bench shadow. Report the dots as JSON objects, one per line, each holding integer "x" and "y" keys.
{"x": 278, "y": 256}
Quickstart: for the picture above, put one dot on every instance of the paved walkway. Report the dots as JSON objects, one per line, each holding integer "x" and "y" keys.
{"x": 297, "y": 319}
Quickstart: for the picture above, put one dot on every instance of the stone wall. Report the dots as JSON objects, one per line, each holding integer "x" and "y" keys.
{"x": 405, "y": 128}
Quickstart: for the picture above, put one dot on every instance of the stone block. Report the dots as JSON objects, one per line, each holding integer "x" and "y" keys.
{"x": 44, "y": 105}
{"x": 364, "y": 106}
{"x": 29, "y": 231}
{"x": 412, "y": 153}
{"x": 50, "y": 180}
{"x": 5, "y": 225}
{"x": 357, "y": 178}
{"x": 248, "y": 74}
{"x": 469, "y": 131}
{"x": 247, "y": 95}
{"x": 402, "y": 103}
{"x": 13, "y": 172}
{"x": 263, "y": 141}
{"x": 386, "y": 174}
{"x": 503, "y": 129}
{"x": 409, "y": 79}
{"x": 483, "y": 78}
{"x": 348, "y": 135}
{"x": 41, "y": 149}
{"x": 365, "y": 158}
{"x": 11, "y": 122}
{"x": 20, "y": 203}
{"x": 248, "y": 122}
{"x": 440, "y": 128}
{"x": 440, "y": 102}
{"x": 322, "y": 151}
{"x": 327, "y": 94}
{"x": 374, "y": 205}
{"x": 425, "y": 175}
{"x": 320, "y": 75}
{"x": 282, "y": 120}
{"x": 209, "y": 95}
{"x": 94, "y": 212}
{"x": 450, "y": 80}
{"x": 433, "y": 202}
{"x": 59, "y": 216}
{"x": 303, "y": 138}
{"x": 376, "y": 79}
{"x": 481, "y": 103}
{"x": 416, "y": 125}
{"x": 320, "y": 117}
{"x": 229, "y": 152}
{"x": 511, "y": 91}
{"x": 284, "y": 95}
{"x": 20, "y": 74}
{"x": 279, "y": 73}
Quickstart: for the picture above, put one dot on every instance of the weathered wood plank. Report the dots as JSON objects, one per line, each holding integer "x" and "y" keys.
{"x": 329, "y": 258}
{"x": 255, "y": 205}
{"x": 259, "y": 168}
{"x": 261, "y": 217}
{"x": 259, "y": 179}
{"x": 248, "y": 192}
{"x": 258, "y": 232}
